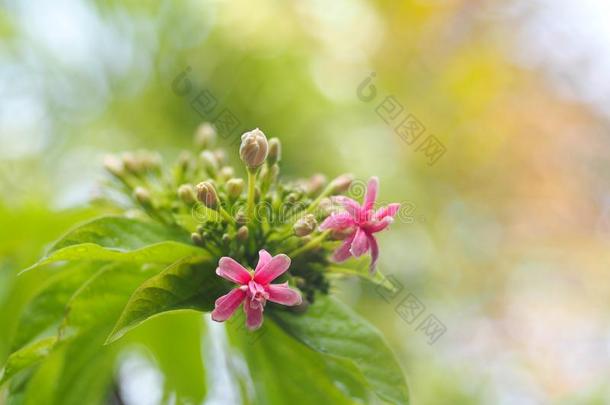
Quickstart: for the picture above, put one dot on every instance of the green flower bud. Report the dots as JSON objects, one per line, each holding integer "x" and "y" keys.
{"x": 254, "y": 148}
{"x": 209, "y": 162}
{"x": 221, "y": 156}
{"x": 226, "y": 173}
{"x": 197, "y": 239}
{"x": 132, "y": 163}
{"x": 292, "y": 198}
{"x": 184, "y": 160}
{"x": 315, "y": 184}
{"x": 205, "y": 136}
{"x": 235, "y": 187}
{"x": 342, "y": 183}
{"x": 275, "y": 151}
{"x": 241, "y": 218}
{"x": 142, "y": 196}
{"x": 114, "y": 165}
{"x": 242, "y": 234}
{"x": 304, "y": 226}
{"x": 149, "y": 160}
{"x": 207, "y": 195}
{"x": 186, "y": 193}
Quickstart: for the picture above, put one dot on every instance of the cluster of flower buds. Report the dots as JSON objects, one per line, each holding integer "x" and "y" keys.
{"x": 306, "y": 223}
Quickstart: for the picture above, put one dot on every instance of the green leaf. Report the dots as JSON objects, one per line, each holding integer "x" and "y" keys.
{"x": 26, "y": 357}
{"x": 99, "y": 302}
{"x": 88, "y": 366}
{"x": 116, "y": 239}
{"x": 284, "y": 371}
{"x": 47, "y": 308}
{"x": 361, "y": 268}
{"x": 177, "y": 355}
{"x": 330, "y": 327}
{"x": 180, "y": 286}
{"x": 121, "y": 233}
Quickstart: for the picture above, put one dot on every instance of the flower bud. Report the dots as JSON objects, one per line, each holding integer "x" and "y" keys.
{"x": 149, "y": 160}
{"x": 327, "y": 207}
{"x": 253, "y": 149}
{"x": 226, "y": 173}
{"x": 235, "y": 187}
{"x": 186, "y": 193}
{"x": 304, "y": 226}
{"x": 209, "y": 162}
{"x": 342, "y": 183}
{"x": 184, "y": 160}
{"x": 205, "y": 136}
{"x": 315, "y": 184}
{"x": 275, "y": 151}
{"x": 114, "y": 165}
{"x": 206, "y": 194}
{"x": 221, "y": 156}
{"x": 241, "y": 218}
{"x": 131, "y": 162}
{"x": 142, "y": 196}
{"x": 242, "y": 234}
{"x": 292, "y": 198}
{"x": 197, "y": 239}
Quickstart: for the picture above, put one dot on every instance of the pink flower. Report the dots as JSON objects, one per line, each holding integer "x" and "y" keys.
{"x": 359, "y": 224}
{"x": 254, "y": 288}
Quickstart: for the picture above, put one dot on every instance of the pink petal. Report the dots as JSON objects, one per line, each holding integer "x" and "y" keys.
{"x": 387, "y": 211}
{"x": 282, "y": 294}
{"x": 350, "y": 206}
{"x": 343, "y": 253}
{"x": 254, "y": 314}
{"x": 379, "y": 226}
{"x": 230, "y": 270}
{"x": 374, "y": 253}
{"x": 360, "y": 244}
{"x": 263, "y": 258}
{"x": 272, "y": 270}
{"x": 227, "y": 304}
{"x": 337, "y": 222}
{"x": 371, "y": 193}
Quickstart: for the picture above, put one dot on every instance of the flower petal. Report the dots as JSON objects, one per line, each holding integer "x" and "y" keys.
{"x": 263, "y": 258}
{"x": 387, "y": 211}
{"x": 374, "y": 253}
{"x": 227, "y": 304}
{"x": 337, "y": 221}
{"x": 254, "y": 314}
{"x": 272, "y": 270}
{"x": 343, "y": 252}
{"x": 371, "y": 193}
{"x": 360, "y": 244}
{"x": 230, "y": 270}
{"x": 378, "y": 226}
{"x": 350, "y": 206}
{"x": 282, "y": 294}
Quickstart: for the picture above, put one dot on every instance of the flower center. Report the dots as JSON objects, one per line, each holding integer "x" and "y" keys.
{"x": 257, "y": 293}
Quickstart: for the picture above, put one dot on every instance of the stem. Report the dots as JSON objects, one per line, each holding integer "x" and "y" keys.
{"x": 327, "y": 191}
{"x": 310, "y": 245}
{"x": 251, "y": 193}
{"x": 226, "y": 215}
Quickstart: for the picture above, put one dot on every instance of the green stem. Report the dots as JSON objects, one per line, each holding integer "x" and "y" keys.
{"x": 251, "y": 193}
{"x": 327, "y": 191}
{"x": 226, "y": 215}
{"x": 310, "y": 245}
